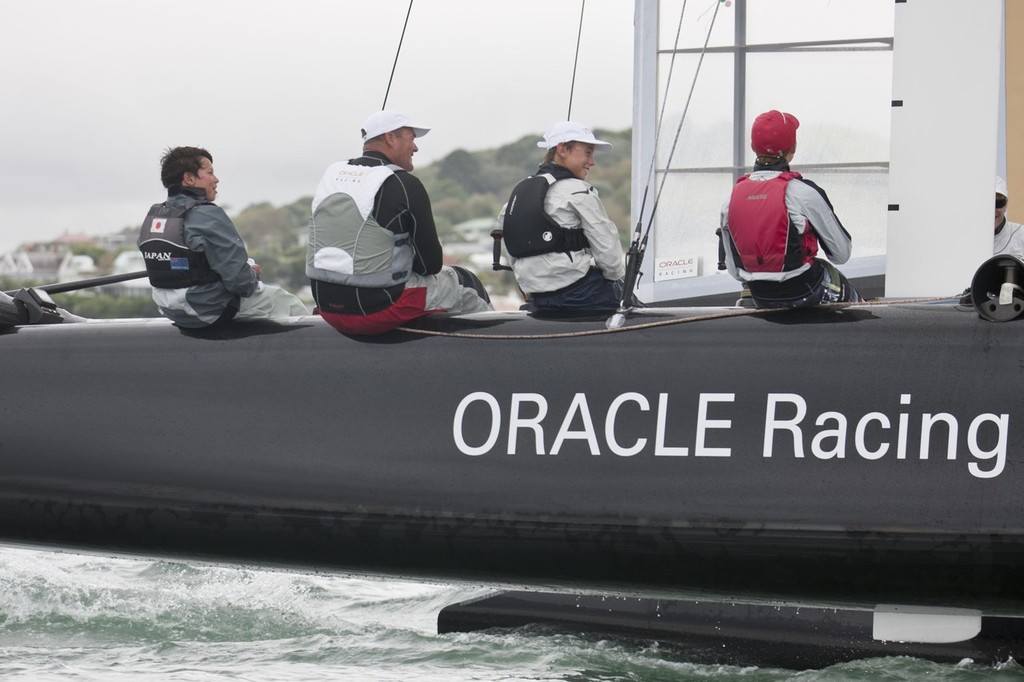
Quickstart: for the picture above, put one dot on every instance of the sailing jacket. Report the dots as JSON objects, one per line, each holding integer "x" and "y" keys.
{"x": 572, "y": 204}
{"x": 777, "y": 240}
{"x": 389, "y": 210}
{"x": 1009, "y": 239}
{"x": 206, "y": 230}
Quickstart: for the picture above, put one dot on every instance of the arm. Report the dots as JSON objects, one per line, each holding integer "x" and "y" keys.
{"x": 601, "y": 232}
{"x": 209, "y": 230}
{"x": 403, "y": 198}
{"x": 501, "y": 226}
{"x": 807, "y": 200}
{"x": 727, "y": 243}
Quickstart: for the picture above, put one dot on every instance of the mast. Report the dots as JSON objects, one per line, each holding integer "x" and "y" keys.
{"x": 645, "y": 113}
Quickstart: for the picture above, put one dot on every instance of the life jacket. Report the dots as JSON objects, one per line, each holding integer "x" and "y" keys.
{"x": 346, "y": 244}
{"x": 763, "y": 237}
{"x": 527, "y": 229}
{"x": 169, "y": 262}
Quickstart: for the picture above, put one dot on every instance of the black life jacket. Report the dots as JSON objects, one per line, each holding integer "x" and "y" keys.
{"x": 169, "y": 263}
{"x": 527, "y": 229}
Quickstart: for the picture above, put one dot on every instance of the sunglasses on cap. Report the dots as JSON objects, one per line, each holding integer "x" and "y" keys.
{"x": 1000, "y": 202}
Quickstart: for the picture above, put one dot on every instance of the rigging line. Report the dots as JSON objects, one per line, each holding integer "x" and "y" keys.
{"x": 576, "y": 60}
{"x": 638, "y": 245}
{"x": 397, "y": 52}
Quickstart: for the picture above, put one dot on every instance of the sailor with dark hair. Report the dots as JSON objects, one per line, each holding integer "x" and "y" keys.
{"x": 564, "y": 250}
{"x": 774, "y": 222}
{"x": 374, "y": 259}
{"x": 196, "y": 261}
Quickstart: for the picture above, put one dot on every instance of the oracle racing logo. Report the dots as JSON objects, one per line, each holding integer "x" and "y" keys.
{"x": 526, "y": 421}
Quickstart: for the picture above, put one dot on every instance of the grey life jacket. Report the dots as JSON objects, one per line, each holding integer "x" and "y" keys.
{"x": 346, "y": 244}
{"x": 169, "y": 262}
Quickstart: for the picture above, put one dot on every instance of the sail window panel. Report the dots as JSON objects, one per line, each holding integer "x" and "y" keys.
{"x": 704, "y": 140}
{"x": 697, "y": 21}
{"x": 843, "y": 101}
{"x": 860, "y": 199}
{"x": 787, "y": 21}
{"x": 689, "y": 212}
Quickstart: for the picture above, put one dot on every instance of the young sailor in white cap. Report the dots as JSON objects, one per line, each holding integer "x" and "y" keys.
{"x": 564, "y": 250}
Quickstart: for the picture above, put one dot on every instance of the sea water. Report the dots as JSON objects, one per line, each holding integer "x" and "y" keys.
{"x": 82, "y": 617}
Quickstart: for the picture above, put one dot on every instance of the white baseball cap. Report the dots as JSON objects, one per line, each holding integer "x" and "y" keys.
{"x": 1001, "y": 187}
{"x": 385, "y": 121}
{"x": 571, "y": 131}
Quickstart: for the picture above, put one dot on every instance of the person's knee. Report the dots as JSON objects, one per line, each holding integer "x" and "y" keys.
{"x": 469, "y": 280}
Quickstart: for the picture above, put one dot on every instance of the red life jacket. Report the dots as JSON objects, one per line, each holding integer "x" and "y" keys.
{"x": 764, "y": 238}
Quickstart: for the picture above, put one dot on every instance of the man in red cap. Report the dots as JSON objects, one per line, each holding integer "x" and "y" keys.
{"x": 775, "y": 221}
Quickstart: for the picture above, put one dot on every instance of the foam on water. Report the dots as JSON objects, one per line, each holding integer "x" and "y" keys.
{"x": 70, "y": 617}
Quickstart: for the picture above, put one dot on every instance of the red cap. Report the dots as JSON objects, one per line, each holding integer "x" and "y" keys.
{"x": 773, "y": 133}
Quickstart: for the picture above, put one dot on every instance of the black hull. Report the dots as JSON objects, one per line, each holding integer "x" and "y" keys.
{"x": 289, "y": 444}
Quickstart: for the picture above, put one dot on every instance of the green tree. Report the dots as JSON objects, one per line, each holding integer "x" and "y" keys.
{"x": 522, "y": 154}
{"x": 265, "y": 227}
{"x": 462, "y": 168}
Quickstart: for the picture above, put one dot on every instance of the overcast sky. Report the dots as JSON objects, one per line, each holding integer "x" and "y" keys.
{"x": 92, "y": 92}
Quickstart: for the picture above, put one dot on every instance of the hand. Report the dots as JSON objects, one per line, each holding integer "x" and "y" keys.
{"x": 256, "y": 267}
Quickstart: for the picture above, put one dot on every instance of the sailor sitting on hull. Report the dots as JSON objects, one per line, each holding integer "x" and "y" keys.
{"x": 196, "y": 261}
{"x": 564, "y": 249}
{"x": 774, "y": 222}
{"x": 374, "y": 259}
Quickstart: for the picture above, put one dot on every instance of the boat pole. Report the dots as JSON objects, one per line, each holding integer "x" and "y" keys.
{"x": 63, "y": 287}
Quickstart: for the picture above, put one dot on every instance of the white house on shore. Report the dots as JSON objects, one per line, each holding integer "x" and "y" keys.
{"x": 45, "y": 263}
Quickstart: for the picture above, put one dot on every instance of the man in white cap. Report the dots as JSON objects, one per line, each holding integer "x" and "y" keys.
{"x": 775, "y": 221}
{"x": 564, "y": 249}
{"x": 1009, "y": 237}
{"x": 374, "y": 259}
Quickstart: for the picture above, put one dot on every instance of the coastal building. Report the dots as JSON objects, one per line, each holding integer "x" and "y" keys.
{"x": 43, "y": 263}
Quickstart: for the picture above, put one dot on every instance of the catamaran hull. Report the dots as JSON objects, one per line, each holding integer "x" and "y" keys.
{"x": 851, "y": 456}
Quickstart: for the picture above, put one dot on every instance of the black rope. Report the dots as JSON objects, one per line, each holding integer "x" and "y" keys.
{"x": 397, "y": 52}
{"x": 576, "y": 60}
